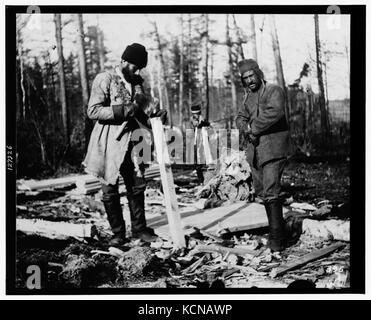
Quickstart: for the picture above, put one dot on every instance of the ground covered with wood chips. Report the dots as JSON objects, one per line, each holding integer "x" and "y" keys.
{"x": 69, "y": 262}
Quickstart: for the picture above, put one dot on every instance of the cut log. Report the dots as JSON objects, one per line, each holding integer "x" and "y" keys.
{"x": 33, "y": 185}
{"x": 315, "y": 255}
{"x": 55, "y": 230}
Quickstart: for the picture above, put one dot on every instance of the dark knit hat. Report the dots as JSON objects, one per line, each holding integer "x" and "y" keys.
{"x": 247, "y": 65}
{"x": 196, "y": 106}
{"x": 136, "y": 54}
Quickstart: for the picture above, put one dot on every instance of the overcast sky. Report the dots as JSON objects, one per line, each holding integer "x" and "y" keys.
{"x": 295, "y": 32}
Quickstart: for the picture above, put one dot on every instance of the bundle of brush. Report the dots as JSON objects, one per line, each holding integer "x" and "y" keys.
{"x": 231, "y": 179}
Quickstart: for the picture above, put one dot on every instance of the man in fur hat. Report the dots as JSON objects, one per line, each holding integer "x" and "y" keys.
{"x": 117, "y": 102}
{"x": 264, "y": 135}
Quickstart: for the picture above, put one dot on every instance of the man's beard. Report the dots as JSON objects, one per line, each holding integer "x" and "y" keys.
{"x": 128, "y": 75}
{"x": 255, "y": 87}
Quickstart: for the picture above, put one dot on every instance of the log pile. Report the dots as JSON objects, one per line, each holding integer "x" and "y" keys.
{"x": 85, "y": 184}
{"x": 35, "y": 185}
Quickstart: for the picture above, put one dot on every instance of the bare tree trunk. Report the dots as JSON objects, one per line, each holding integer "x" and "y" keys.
{"x": 348, "y": 63}
{"x": 35, "y": 122}
{"x": 19, "y": 26}
{"x": 164, "y": 72}
{"x": 189, "y": 64}
{"x": 239, "y": 38}
{"x": 181, "y": 76}
{"x": 62, "y": 84}
{"x": 252, "y": 37}
{"x": 206, "y": 63}
{"x": 231, "y": 72}
{"x": 159, "y": 88}
{"x": 322, "y": 103}
{"x": 19, "y": 106}
{"x": 278, "y": 62}
{"x": 152, "y": 83}
{"x": 83, "y": 76}
{"x": 100, "y": 44}
{"x": 276, "y": 52}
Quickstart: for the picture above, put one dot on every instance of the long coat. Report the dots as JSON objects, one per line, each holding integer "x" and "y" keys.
{"x": 110, "y": 104}
{"x": 268, "y": 122}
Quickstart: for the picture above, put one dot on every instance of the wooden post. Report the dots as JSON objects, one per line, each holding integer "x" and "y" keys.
{"x": 171, "y": 204}
{"x": 206, "y": 145}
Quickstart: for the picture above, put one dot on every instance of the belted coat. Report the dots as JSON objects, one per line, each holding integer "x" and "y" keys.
{"x": 265, "y": 113}
{"x": 111, "y": 105}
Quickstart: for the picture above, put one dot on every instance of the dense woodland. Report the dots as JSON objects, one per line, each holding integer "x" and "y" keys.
{"x": 52, "y": 94}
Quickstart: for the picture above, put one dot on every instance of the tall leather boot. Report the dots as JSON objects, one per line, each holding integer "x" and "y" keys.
{"x": 137, "y": 216}
{"x": 138, "y": 220}
{"x": 276, "y": 240}
{"x": 114, "y": 214}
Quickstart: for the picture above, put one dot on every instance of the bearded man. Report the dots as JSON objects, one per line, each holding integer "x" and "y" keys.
{"x": 117, "y": 103}
{"x": 264, "y": 135}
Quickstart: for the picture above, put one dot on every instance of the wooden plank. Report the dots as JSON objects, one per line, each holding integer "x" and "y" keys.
{"x": 223, "y": 218}
{"x": 315, "y": 255}
{"x": 200, "y": 218}
{"x": 167, "y": 180}
{"x": 205, "y": 142}
{"x": 161, "y": 221}
{"x": 237, "y": 216}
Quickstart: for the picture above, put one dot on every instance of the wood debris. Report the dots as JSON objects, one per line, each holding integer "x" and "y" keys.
{"x": 224, "y": 250}
{"x": 231, "y": 179}
{"x": 306, "y": 259}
